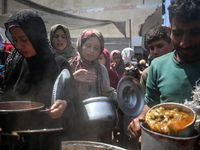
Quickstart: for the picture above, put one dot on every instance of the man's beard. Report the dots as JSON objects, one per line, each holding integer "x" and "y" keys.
{"x": 186, "y": 58}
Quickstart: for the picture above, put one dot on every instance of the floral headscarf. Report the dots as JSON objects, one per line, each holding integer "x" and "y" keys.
{"x": 84, "y": 64}
{"x": 82, "y": 39}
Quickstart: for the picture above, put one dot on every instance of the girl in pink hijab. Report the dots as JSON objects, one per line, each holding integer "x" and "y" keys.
{"x": 104, "y": 59}
{"x": 92, "y": 78}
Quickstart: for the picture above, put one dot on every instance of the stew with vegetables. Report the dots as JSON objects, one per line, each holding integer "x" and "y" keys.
{"x": 168, "y": 121}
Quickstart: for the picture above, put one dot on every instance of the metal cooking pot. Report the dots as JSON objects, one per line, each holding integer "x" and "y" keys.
{"x": 156, "y": 141}
{"x": 23, "y": 115}
{"x": 185, "y": 139}
{"x": 189, "y": 129}
{"x": 88, "y": 145}
{"x": 101, "y": 113}
{"x": 41, "y": 139}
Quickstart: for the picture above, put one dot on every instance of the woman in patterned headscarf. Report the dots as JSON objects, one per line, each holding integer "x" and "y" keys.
{"x": 92, "y": 77}
{"x": 61, "y": 41}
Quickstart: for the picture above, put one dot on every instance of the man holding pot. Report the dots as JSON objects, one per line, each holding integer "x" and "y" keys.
{"x": 172, "y": 77}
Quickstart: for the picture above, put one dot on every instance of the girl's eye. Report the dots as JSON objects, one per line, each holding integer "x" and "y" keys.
{"x": 64, "y": 37}
{"x": 15, "y": 41}
{"x": 97, "y": 48}
{"x": 56, "y": 36}
{"x": 88, "y": 46}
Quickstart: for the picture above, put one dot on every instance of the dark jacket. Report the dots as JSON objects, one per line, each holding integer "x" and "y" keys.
{"x": 32, "y": 79}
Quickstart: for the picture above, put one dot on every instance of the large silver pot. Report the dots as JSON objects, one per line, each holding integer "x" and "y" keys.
{"x": 101, "y": 112}
{"x": 88, "y": 145}
{"x": 156, "y": 141}
{"x": 184, "y": 140}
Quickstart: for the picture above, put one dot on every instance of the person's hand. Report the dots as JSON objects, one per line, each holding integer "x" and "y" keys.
{"x": 113, "y": 66}
{"x": 57, "y": 109}
{"x": 134, "y": 127}
{"x": 83, "y": 75}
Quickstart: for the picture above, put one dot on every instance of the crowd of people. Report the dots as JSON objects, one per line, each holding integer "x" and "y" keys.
{"x": 32, "y": 66}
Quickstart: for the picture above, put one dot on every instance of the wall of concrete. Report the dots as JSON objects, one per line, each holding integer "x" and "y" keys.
{"x": 139, "y": 16}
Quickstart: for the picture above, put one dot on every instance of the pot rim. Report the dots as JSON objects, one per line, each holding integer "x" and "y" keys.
{"x": 91, "y": 144}
{"x": 171, "y": 105}
{"x": 98, "y": 99}
{"x": 177, "y": 104}
{"x": 39, "y": 130}
{"x": 38, "y": 106}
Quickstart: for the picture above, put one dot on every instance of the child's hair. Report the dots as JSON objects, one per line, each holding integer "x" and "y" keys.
{"x": 156, "y": 33}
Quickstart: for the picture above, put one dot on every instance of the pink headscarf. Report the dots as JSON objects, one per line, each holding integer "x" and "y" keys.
{"x": 114, "y": 79}
{"x": 84, "y": 64}
{"x": 82, "y": 39}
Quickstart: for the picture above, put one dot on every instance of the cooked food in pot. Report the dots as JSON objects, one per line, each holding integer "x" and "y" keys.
{"x": 168, "y": 121}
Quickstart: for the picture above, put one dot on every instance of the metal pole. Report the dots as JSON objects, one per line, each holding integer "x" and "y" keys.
{"x": 4, "y": 7}
{"x": 130, "y": 32}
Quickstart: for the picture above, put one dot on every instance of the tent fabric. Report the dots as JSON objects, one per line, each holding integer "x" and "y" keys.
{"x": 74, "y": 21}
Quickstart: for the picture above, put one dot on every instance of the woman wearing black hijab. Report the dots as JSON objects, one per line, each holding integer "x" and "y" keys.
{"x": 33, "y": 67}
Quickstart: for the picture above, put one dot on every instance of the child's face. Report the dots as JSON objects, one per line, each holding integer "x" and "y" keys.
{"x": 59, "y": 40}
{"x": 91, "y": 48}
{"x": 22, "y": 42}
{"x": 116, "y": 58}
{"x": 102, "y": 59}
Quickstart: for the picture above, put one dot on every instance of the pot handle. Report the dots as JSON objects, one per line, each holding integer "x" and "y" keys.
{"x": 46, "y": 110}
{"x": 197, "y": 125}
{"x": 5, "y": 137}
